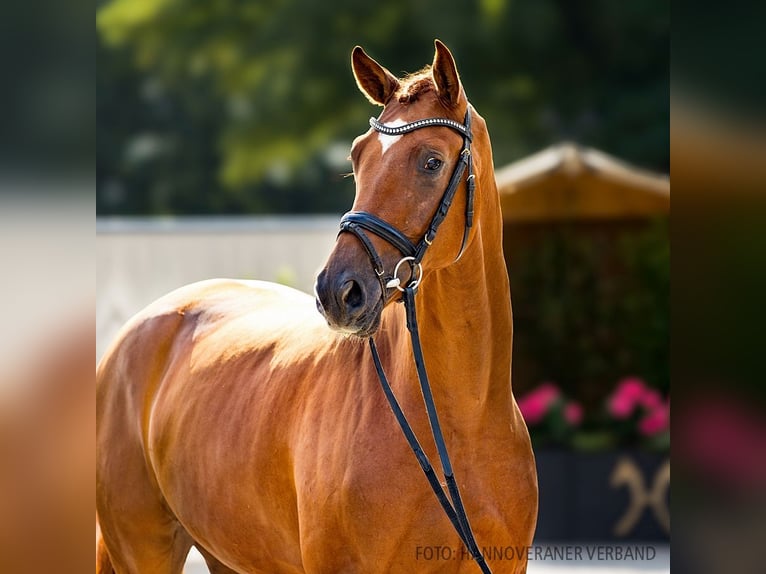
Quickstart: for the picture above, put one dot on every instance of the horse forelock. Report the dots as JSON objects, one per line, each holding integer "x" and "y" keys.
{"x": 414, "y": 85}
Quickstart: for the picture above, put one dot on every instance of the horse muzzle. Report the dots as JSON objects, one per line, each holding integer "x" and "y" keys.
{"x": 350, "y": 304}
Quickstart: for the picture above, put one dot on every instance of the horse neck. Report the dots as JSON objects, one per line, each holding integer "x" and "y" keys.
{"x": 465, "y": 324}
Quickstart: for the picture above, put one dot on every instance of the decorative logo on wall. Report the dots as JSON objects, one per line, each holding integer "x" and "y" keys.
{"x": 627, "y": 473}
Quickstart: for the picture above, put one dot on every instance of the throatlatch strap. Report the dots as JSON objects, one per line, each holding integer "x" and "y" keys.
{"x": 470, "y": 187}
{"x": 444, "y": 205}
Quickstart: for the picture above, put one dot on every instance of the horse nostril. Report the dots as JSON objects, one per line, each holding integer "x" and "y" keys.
{"x": 351, "y": 295}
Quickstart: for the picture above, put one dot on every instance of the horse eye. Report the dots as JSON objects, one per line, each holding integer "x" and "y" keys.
{"x": 433, "y": 164}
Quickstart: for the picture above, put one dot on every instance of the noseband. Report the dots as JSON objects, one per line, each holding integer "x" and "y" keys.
{"x": 359, "y": 223}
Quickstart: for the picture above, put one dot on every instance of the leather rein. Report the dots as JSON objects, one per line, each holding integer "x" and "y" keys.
{"x": 359, "y": 223}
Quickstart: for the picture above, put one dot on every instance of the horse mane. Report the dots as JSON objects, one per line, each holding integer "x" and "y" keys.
{"x": 414, "y": 85}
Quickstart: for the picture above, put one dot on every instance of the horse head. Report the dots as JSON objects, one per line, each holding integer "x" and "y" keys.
{"x": 403, "y": 175}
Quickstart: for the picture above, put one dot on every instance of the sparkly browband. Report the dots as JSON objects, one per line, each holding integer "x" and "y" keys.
{"x": 406, "y": 128}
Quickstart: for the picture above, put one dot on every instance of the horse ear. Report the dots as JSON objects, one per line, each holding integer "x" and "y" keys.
{"x": 374, "y": 81}
{"x": 445, "y": 76}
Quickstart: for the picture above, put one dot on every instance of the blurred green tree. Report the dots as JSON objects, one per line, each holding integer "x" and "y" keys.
{"x": 232, "y": 106}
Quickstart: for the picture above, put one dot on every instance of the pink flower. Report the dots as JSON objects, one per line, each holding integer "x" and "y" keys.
{"x": 626, "y": 397}
{"x": 573, "y": 413}
{"x": 651, "y": 399}
{"x": 548, "y": 393}
{"x": 538, "y": 402}
{"x": 655, "y": 421}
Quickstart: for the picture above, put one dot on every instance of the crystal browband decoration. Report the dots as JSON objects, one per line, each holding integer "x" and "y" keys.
{"x": 406, "y": 128}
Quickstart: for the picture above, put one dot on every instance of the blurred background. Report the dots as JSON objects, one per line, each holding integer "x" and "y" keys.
{"x": 231, "y": 107}
{"x": 223, "y": 129}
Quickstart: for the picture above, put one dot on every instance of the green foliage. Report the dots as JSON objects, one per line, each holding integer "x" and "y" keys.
{"x": 221, "y": 106}
{"x": 592, "y": 305}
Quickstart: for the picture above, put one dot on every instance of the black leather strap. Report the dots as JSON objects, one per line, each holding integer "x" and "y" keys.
{"x": 377, "y": 262}
{"x": 454, "y": 510}
{"x": 444, "y": 205}
{"x": 359, "y": 222}
{"x": 380, "y": 228}
{"x": 409, "y": 434}
{"x": 374, "y": 224}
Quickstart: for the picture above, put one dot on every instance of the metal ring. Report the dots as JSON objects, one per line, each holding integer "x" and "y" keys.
{"x": 414, "y": 284}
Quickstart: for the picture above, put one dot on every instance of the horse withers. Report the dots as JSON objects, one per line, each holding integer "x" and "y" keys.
{"x": 231, "y": 418}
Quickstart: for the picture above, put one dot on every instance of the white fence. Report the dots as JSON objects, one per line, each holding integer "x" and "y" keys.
{"x": 139, "y": 260}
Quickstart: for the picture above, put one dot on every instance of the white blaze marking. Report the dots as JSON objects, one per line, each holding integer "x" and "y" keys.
{"x": 386, "y": 141}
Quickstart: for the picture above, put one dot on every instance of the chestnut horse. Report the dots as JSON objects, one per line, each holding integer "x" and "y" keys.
{"x": 231, "y": 418}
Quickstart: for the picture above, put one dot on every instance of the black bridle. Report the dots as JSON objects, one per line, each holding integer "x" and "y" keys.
{"x": 359, "y": 223}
